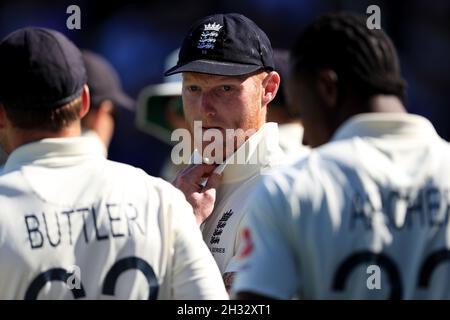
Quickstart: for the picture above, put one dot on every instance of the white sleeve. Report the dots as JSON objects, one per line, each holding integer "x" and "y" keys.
{"x": 233, "y": 264}
{"x": 266, "y": 263}
{"x": 194, "y": 272}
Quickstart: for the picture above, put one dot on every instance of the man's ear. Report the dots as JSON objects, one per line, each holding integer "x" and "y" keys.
{"x": 106, "y": 107}
{"x": 327, "y": 87}
{"x": 270, "y": 84}
{"x": 86, "y": 101}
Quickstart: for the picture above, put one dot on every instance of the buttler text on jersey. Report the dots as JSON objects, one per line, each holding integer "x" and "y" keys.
{"x": 87, "y": 224}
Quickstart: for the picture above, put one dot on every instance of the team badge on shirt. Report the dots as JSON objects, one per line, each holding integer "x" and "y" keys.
{"x": 220, "y": 225}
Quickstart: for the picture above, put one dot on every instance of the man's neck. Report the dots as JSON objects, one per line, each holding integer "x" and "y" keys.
{"x": 386, "y": 104}
{"x": 20, "y": 137}
{"x": 376, "y": 104}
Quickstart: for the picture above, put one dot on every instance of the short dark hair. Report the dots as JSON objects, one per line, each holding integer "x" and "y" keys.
{"x": 47, "y": 119}
{"x": 342, "y": 42}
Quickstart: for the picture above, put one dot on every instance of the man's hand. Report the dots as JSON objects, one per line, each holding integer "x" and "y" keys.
{"x": 228, "y": 278}
{"x": 201, "y": 198}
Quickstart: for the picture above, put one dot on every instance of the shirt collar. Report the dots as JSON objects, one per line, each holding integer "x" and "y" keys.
{"x": 377, "y": 125}
{"x": 91, "y": 134}
{"x": 294, "y": 134}
{"x": 291, "y": 129}
{"x": 53, "y": 152}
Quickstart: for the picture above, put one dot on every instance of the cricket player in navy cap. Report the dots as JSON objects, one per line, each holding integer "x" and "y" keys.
{"x": 106, "y": 96}
{"x": 227, "y": 65}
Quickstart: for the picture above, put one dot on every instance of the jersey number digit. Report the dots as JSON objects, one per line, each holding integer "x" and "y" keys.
{"x": 386, "y": 263}
{"x": 109, "y": 284}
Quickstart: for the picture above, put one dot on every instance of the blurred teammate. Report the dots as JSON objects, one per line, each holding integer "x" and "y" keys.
{"x": 281, "y": 112}
{"x": 228, "y": 81}
{"x": 366, "y": 215}
{"x": 73, "y": 224}
{"x": 106, "y": 95}
{"x": 3, "y": 157}
{"x": 160, "y": 111}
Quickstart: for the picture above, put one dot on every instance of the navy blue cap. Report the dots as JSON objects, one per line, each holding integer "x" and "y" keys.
{"x": 104, "y": 82}
{"x": 40, "y": 68}
{"x": 224, "y": 44}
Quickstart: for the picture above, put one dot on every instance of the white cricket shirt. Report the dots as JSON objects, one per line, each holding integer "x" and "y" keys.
{"x": 363, "y": 217}
{"x": 75, "y": 225}
{"x": 221, "y": 231}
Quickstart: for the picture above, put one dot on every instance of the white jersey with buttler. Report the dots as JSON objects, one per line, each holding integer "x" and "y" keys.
{"x": 365, "y": 216}
{"x": 75, "y": 225}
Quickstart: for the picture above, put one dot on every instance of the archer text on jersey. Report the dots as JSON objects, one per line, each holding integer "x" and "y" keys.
{"x": 404, "y": 208}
